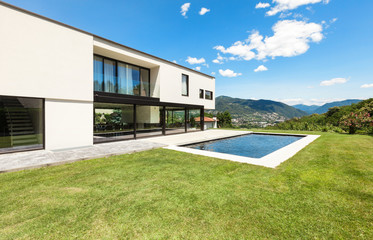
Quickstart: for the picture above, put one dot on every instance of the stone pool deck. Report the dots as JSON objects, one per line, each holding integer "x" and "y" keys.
{"x": 42, "y": 158}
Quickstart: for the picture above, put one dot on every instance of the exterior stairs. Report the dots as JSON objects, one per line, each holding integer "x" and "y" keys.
{"x": 19, "y": 123}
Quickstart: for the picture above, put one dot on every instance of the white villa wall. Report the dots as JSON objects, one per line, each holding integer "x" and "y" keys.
{"x": 68, "y": 124}
{"x": 42, "y": 59}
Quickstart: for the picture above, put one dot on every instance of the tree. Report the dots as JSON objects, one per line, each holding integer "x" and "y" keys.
{"x": 355, "y": 121}
{"x": 225, "y": 119}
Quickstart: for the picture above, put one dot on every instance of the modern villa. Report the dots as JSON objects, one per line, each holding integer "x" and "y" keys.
{"x": 62, "y": 87}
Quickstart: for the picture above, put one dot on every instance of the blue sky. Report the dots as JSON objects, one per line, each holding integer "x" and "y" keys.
{"x": 305, "y": 51}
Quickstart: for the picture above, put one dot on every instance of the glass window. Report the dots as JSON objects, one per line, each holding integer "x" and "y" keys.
{"x": 148, "y": 121}
{"x": 21, "y": 124}
{"x": 98, "y": 77}
{"x": 185, "y": 85}
{"x": 125, "y": 85}
{"x": 134, "y": 77}
{"x": 117, "y": 77}
{"x": 109, "y": 76}
{"x": 201, "y": 93}
{"x": 175, "y": 120}
{"x": 208, "y": 95}
{"x": 113, "y": 122}
{"x": 145, "y": 80}
{"x": 194, "y": 120}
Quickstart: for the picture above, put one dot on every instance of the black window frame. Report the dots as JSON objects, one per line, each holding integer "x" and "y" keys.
{"x": 212, "y": 95}
{"x": 187, "y": 81}
{"x": 201, "y": 91}
{"x": 116, "y": 75}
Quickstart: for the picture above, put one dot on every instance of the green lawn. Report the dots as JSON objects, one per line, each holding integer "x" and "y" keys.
{"x": 325, "y": 191}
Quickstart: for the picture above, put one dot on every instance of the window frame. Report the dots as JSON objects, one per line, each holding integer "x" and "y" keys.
{"x": 187, "y": 85}
{"x": 212, "y": 95}
{"x": 203, "y": 94}
{"x": 116, "y": 75}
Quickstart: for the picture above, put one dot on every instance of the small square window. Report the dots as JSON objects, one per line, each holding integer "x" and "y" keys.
{"x": 185, "y": 85}
{"x": 208, "y": 95}
{"x": 201, "y": 93}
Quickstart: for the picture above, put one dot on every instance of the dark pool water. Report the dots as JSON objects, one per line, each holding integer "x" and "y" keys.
{"x": 253, "y": 145}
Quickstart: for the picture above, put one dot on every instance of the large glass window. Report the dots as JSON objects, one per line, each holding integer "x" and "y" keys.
{"x": 113, "y": 122}
{"x": 118, "y": 77}
{"x": 148, "y": 120}
{"x": 98, "y": 76}
{"x": 109, "y": 76}
{"x": 194, "y": 120}
{"x": 175, "y": 120}
{"x": 134, "y": 76}
{"x": 185, "y": 85}
{"x": 21, "y": 124}
{"x": 145, "y": 80}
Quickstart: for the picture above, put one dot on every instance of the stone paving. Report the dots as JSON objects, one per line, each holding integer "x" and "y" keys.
{"x": 42, "y": 158}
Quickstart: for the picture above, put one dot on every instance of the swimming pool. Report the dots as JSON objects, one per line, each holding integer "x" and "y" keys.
{"x": 251, "y": 145}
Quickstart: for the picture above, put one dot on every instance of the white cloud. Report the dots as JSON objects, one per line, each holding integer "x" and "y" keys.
{"x": 290, "y": 38}
{"x": 204, "y": 11}
{"x": 284, "y": 5}
{"x": 192, "y": 60}
{"x": 213, "y": 73}
{"x": 184, "y": 9}
{"x": 262, "y": 5}
{"x": 367, "y": 85}
{"x": 229, "y": 73}
{"x": 198, "y": 68}
{"x": 174, "y": 61}
{"x": 261, "y": 68}
{"x": 219, "y": 59}
{"x": 318, "y": 102}
{"x": 333, "y": 81}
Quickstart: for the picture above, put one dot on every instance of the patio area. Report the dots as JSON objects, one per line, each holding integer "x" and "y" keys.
{"x": 42, "y": 158}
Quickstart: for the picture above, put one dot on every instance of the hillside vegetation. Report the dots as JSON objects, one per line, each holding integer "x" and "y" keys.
{"x": 238, "y": 106}
{"x": 324, "y": 108}
{"x": 352, "y": 118}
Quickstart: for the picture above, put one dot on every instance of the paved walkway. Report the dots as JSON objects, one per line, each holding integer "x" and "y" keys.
{"x": 42, "y": 158}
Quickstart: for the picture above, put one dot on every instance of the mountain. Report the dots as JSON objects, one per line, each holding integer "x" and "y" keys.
{"x": 306, "y": 108}
{"x": 324, "y": 108}
{"x": 246, "y": 107}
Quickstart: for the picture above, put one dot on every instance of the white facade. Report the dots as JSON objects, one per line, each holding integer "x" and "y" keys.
{"x": 41, "y": 58}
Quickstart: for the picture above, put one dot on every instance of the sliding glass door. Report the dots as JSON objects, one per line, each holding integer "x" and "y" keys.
{"x": 21, "y": 124}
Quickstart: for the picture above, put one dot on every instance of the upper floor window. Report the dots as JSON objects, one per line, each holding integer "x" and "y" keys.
{"x": 201, "y": 93}
{"x": 208, "y": 95}
{"x": 119, "y": 77}
{"x": 185, "y": 85}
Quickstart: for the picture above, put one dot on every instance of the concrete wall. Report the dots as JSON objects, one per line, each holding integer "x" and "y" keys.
{"x": 42, "y": 59}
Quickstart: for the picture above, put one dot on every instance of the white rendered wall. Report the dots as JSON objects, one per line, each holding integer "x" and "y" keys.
{"x": 42, "y": 59}
{"x": 68, "y": 124}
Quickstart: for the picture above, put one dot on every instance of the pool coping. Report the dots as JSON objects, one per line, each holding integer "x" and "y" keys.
{"x": 271, "y": 160}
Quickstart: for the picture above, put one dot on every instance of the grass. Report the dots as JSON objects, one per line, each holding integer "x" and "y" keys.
{"x": 323, "y": 192}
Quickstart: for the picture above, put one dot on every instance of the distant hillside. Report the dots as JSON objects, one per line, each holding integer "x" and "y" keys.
{"x": 306, "y": 108}
{"x": 324, "y": 108}
{"x": 240, "y": 107}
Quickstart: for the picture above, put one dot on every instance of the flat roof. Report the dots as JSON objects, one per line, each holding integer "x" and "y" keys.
{"x": 88, "y": 33}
